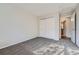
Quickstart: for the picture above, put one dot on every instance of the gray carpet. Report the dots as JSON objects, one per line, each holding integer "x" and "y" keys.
{"x": 27, "y": 47}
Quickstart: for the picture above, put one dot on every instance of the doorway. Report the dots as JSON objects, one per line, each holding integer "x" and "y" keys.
{"x": 65, "y": 27}
{"x": 68, "y": 27}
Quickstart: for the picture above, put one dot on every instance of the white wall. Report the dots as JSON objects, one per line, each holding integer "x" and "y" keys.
{"x": 16, "y": 25}
{"x": 77, "y": 25}
{"x": 49, "y": 28}
{"x": 68, "y": 27}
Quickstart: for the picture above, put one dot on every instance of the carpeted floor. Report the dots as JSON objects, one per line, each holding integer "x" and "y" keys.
{"x": 27, "y": 47}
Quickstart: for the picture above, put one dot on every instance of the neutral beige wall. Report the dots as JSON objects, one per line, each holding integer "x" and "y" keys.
{"x": 16, "y": 25}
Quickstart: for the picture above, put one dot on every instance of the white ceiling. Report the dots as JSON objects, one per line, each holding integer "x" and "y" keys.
{"x": 41, "y": 9}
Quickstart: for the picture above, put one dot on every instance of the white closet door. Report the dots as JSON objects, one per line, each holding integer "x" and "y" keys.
{"x": 42, "y": 28}
{"x": 49, "y": 28}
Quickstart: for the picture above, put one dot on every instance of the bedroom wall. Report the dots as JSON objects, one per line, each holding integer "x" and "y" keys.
{"x": 68, "y": 27}
{"x": 16, "y": 25}
{"x": 73, "y": 27}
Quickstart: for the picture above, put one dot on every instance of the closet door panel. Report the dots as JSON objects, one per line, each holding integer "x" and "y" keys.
{"x": 42, "y": 28}
{"x": 49, "y": 28}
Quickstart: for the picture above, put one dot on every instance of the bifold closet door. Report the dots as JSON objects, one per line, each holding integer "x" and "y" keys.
{"x": 49, "y": 28}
